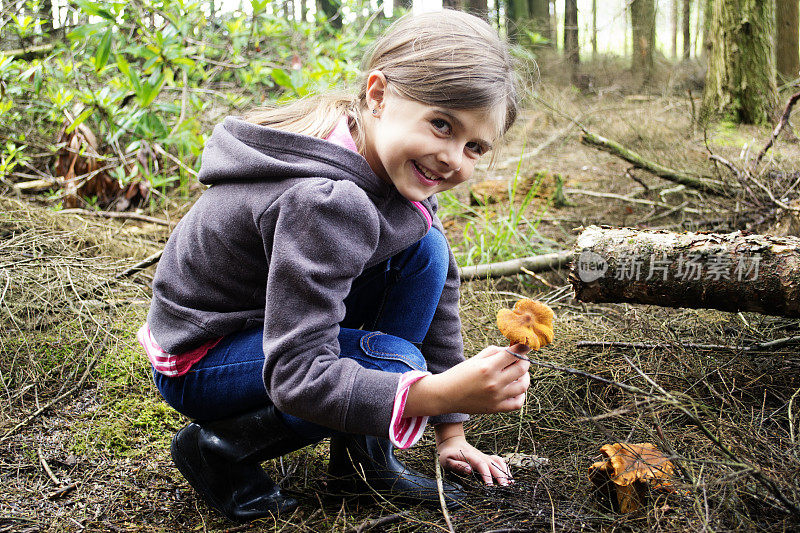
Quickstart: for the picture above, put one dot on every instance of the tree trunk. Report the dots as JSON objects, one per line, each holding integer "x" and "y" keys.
{"x": 740, "y": 84}
{"x": 730, "y": 272}
{"x": 303, "y": 11}
{"x": 643, "y": 22}
{"x": 673, "y": 28}
{"x": 594, "y": 29}
{"x": 695, "y": 182}
{"x": 517, "y": 17}
{"x": 708, "y": 10}
{"x": 331, "y": 10}
{"x": 571, "y": 46}
{"x": 786, "y": 19}
{"x": 46, "y": 16}
{"x": 540, "y": 17}
{"x": 479, "y": 8}
{"x": 452, "y": 4}
{"x": 405, "y": 4}
{"x": 687, "y": 28}
{"x": 626, "y": 19}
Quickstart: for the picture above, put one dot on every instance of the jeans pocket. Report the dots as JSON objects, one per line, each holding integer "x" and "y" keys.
{"x": 390, "y": 354}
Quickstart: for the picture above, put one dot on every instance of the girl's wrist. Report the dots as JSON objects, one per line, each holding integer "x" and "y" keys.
{"x": 448, "y": 431}
{"x": 425, "y": 398}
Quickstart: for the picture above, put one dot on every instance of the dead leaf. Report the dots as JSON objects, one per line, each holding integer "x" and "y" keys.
{"x": 79, "y": 173}
{"x": 524, "y": 460}
{"x": 77, "y": 167}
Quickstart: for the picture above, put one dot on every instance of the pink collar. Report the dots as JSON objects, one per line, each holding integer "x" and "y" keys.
{"x": 341, "y": 136}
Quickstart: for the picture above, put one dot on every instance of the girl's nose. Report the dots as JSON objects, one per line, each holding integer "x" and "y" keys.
{"x": 451, "y": 156}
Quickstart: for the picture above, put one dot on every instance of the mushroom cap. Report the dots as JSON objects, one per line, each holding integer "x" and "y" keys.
{"x": 529, "y": 323}
{"x": 628, "y": 463}
{"x": 628, "y": 472}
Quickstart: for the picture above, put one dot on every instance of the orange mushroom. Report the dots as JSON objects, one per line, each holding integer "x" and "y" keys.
{"x": 628, "y": 472}
{"x": 529, "y": 323}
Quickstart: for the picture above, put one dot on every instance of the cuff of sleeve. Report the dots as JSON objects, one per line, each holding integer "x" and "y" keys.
{"x": 404, "y": 432}
{"x": 449, "y": 418}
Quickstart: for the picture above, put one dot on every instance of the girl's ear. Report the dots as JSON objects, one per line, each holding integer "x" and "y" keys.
{"x": 376, "y": 91}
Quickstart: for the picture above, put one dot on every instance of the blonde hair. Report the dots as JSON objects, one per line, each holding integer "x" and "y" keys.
{"x": 448, "y": 59}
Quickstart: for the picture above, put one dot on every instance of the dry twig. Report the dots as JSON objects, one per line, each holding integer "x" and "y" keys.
{"x": 442, "y": 503}
{"x": 777, "y": 130}
{"x": 113, "y": 214}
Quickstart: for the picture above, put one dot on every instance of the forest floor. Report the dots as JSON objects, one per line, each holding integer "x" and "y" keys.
{"x": 84, "y": 437}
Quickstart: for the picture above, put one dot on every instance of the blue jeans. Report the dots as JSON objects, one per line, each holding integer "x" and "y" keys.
{"x": 389, "y": 309}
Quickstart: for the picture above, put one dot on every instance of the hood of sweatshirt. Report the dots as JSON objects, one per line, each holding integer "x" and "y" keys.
{"x": 243, "y": 151}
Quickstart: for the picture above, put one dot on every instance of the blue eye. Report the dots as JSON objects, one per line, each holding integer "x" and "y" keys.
{"x": 441, "y": 125}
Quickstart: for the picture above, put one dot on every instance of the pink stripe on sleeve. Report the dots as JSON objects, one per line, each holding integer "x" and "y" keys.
{"x": 404, "y": 432}
{"x": 425, "y": 213}
{"x": 171, "y": 365}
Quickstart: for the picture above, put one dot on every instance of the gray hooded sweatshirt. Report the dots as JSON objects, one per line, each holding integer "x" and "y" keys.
{"x": 288, "y": 223}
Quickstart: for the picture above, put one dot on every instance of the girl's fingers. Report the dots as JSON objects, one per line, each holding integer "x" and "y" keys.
{"x": 519, "y": 349}
{"x": 500, "y": 470}
{"x": 515, "y": 370}
{"x": 462, "y": 467}
{"x": 488, "y": 467}
{"x": 489, "y": 351}
{"x": 483, "y": 470}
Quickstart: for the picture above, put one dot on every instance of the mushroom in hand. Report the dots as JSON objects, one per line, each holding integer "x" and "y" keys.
{"x": 529, "y": 323}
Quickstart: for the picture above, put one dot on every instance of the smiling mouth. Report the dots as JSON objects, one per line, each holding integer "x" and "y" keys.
{"x": 427, "y": 174}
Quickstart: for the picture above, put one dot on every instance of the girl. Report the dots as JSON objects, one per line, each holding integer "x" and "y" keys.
{"x": 310, "y": 292}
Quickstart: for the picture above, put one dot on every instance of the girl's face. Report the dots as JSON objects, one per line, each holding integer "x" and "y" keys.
{"x": 422, "y": 149}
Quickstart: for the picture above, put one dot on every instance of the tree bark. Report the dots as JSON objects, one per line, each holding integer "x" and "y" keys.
{"x": 788, "y": 53}
{"x": 708, "y": 10}
{"x": 687, "y": 28}
{"x": 730, "y": 272}
{"x": 741, "y": 79}
{"x": 643, "y": 22}
{"x": 571, "y": 46}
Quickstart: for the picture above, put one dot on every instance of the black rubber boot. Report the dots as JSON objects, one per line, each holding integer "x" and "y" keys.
{"x": 361, "y": 464}
{"x": 220, "y": 460}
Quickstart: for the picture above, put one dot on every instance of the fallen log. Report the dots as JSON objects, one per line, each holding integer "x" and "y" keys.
{"x": 704, "y": 183}
{"x": 535, "y": 263}
{"x": 730, "y": 272}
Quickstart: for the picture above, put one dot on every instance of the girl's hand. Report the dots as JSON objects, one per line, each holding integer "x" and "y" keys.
{"x": 456, "y": 454}
{"x": 493, "y": 381}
